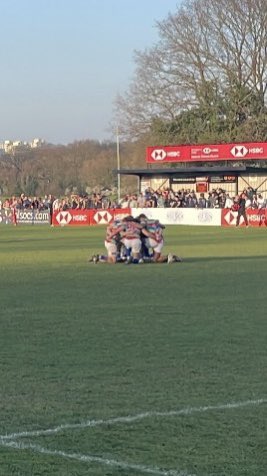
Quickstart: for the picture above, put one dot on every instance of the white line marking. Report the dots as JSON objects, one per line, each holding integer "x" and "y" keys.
{"x": 132, "y": 418}
{"x": 94, "y": 459}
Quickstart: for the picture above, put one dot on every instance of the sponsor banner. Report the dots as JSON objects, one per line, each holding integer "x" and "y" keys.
{"x": 207, "y": 152}
{"x": 88, "y": 217}
{"x": 6, "y": 216}
{"x": 121, "y": 213}
{"x": 256, "y": 218}
{"x": 32, "y": 217}
{"x": 182, "y": 216}
{"x": 168, "y": 154}
{"x": 201, "y": 187}
{"x": 104, "y": 217}
{"x": 71, "y": 217}
{"x": 167, "y": 216}
{"x": 223, "y": 179}
{"x": 175, "y": 180}
{"x": 101, "y": 217}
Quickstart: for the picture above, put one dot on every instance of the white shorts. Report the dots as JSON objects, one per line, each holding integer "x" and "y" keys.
{"x": 111, "y": 248}
{"x": 133, "y": 243}
{"x": 155, "y": 245}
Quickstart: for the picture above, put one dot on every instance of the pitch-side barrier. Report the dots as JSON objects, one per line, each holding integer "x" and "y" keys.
{"x": 167, "y": 216}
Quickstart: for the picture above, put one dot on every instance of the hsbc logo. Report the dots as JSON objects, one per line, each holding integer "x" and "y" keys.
{"x": 256, "y": 150}
{"x": 239, "y": 151}
{"x": 230, "y": 218}
{"x": 63, "y": 218}
{"x": 80, "y": 218}
{"x": 120, "y": 216}
{"x": 102, "y": 218}
{"x": 158, "y": 154}
{"x": 208, "y": 151}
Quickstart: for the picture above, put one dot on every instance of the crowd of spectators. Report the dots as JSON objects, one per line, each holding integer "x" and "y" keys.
{"x": 93, "y": 201}
{"x": 186, "y": 198}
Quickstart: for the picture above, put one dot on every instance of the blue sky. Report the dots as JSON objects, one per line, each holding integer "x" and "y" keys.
{"x": 64, "y": 61}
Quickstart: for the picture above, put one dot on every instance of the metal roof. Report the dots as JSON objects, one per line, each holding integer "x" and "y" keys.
{"x": 194, "y": 171}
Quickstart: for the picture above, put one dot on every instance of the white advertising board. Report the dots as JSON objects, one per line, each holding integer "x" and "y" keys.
{"x": 182, "y": 216}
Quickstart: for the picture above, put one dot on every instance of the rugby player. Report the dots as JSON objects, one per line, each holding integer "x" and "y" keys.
{"x": 137, "y": 236}
{"x": 154, "y": 240}
{"x": 113, "y": 240}
{"x": 112, "y": 244}
{"x": 131, "y": 239}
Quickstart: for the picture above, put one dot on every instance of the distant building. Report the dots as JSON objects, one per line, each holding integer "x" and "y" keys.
{"x": 8, "y": 146}
{"x": 37, "y": 143}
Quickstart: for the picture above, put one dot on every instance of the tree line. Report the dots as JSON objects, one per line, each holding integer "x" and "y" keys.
{"x": 81, "y": 167}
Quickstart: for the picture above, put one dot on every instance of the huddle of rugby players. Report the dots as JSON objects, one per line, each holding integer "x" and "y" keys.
{"x": 135, "y": 240}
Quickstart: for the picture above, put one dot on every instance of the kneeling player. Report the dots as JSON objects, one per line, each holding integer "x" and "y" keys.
{"x": 154, "y": 240}
{"x": 130, "y": 238}
{"x": 113, "y": 241}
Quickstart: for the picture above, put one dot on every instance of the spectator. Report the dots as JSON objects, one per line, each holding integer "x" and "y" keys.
{"x": 132, "y": 201}
{"x": 35, "y": 205}
{"x": 228, "y": 201}
{"x": 212, "y": 199}
{"x": 242, "y": 209}
{"x": 202, "y": 202}
{"x": 141, "y": 201}
{"x": 191, "y": 200}
{"x": 248, "y": 201}
{"x": 125, "y": 202}
{"x": 261, "y": 201}
{"x": 165, "y": 197}
{"x": 254, "y": 202}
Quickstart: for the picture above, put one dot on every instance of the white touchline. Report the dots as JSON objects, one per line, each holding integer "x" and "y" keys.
{"x": 93, "y": 459}
{"x": 132, "y": 418}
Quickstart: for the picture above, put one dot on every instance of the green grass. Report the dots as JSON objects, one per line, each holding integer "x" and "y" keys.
{"x": 80, "y": 341}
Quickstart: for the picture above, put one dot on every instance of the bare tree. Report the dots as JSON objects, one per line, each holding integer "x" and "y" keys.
{"x": 208, "y": 52}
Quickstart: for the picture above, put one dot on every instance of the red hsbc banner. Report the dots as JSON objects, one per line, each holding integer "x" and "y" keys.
{"x": 100, "y": 217}
{"x": 104, "y": 217}
{"x": 177, "y": 153}
{"x": 207, "y": 152}
{"x": 88, "y": 217}
{"x": 71, "y": 217}
{"x": 256, "y": 218}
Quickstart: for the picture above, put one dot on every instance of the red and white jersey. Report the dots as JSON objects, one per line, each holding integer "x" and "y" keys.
{"x": 113, "y": 231}
{"x": 132, "y": 230}
{"x": 154, "y": 227}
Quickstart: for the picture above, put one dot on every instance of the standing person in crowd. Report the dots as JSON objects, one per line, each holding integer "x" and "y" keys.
{"x": 254, "y": 202}
{"x": 242, "y": 209}
{"x": 261, "y": 201}
{"x": 202, "y": 202}
{"x": 35, "y": 204}
{"x": 50, "y": 202}
{"x": 228, "y": 201}
{"x": 13, "y": 206}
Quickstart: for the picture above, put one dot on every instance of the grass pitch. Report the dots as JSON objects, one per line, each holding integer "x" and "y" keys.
{"x": 138, "y": 362}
